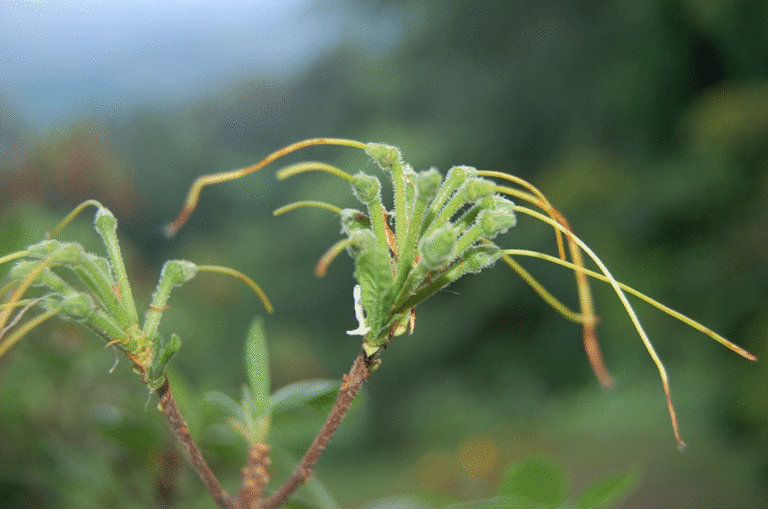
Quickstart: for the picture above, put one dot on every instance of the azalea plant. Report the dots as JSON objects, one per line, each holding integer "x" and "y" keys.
{"x": 441, "y": 227}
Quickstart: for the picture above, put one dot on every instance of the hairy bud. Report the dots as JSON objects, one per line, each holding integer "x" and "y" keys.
{"x": 438, "y": 249}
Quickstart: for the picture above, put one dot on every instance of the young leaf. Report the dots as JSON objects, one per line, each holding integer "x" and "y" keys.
{"x": 497, "y": 503}
{"x": 303, "y": 393}
{"x": 257, "y": 366}
{"x": 538, "y": 479}
{"x": 226, "y": 404}
{"x": 374, "y": 273}
{"x": 162, "y": 351}
{"x": 397, "y": 502}
{"x": 607, "y": 491}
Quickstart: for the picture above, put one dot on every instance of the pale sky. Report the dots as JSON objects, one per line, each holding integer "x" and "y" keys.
{"x": 56, "y": 55}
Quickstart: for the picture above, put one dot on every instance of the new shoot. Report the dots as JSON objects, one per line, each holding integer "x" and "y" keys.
{"x": 444, "y": 228}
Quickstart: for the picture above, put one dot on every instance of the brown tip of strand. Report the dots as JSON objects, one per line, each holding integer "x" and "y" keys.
{"x": 605, "y": 379}
{"x": 673, "y": 415}
{"x": 173, "y": 227}
{"x": 595, "y": 357}
{"x": 747, "y": 355}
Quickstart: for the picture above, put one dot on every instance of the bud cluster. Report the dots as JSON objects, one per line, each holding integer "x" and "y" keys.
{"x": 443, "y": 229}
{"x": 95, "y": 292}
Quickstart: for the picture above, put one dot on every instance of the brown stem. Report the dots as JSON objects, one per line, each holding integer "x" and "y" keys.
{"x": 254, "y": 476}
{"x": 350, "y": 384}
{"x": 181, "y": 432}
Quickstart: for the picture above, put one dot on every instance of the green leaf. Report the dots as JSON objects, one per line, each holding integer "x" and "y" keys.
{"x": 397, "y": 502}
{"x": 539, "y": 479}
{"x": 226, "y": 404}
{"x": 304, "y": 393}
{"x": 496, "y": 503}
{"x": 162, "y": 351}
{"x": 607, "y": 491}
{"x": 374, "y": 273}
{"x": 257, "y": 366}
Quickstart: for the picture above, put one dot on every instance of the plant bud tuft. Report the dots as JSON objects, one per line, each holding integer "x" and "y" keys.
{"x": 428, "y": 184}
{"x": 77, "y": 306}
{"x": 366, "y": 188}
{"x": 478, "y": 188}
{"x": 438, "y": 249}
{"x": 386, "y": 156}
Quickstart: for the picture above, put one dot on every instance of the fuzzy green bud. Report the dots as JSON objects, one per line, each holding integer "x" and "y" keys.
{"x": 77, "y": 306}
{"x": 43, "y": 249}
{"x": 366, "y": 188}
{"x": 174, "y": 273}
{"x": 363, "y": 240}
{"x": 494, "y": 223}
{"x": 499, "y": 219}
{"x": 428, "y": 184}
{"x": 68, "y": 253}
{"x": 102, "y": 264}
{"x": 21, "y": 269}
{"x": 480, "y": 257}
{"x": 438, "y": 249}
{"x": 177, "y": 272}
{"x": 105, "y": 221}
{"x": 458, "y": 175}
{"x": 353, "y": 219}
{"x": 478, "y": 188}
{"x": 386, "y": 156}
{"x": 455, "y": 178}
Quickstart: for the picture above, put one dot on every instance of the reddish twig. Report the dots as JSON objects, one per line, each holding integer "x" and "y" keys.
{"x": 350, "y": 385}
{"x": 181, "y": 432}
{"x": 254, "y": 477}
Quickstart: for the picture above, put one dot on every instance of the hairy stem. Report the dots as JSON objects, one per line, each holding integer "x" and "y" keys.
{"x": 181, "y": 432}
{"x": 350, "y": 385}
{"x": 254, "y": 476}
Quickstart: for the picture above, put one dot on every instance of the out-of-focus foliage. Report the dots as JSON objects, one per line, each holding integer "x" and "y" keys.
{"x": 644, "y": 122}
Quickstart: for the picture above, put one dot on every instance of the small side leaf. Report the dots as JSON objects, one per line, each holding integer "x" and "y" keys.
{"x": 257, "y": 366}
{"x": 397, "y": 502}
{"x": 608, "y": 491}
{"x": 497, "y": 503}
{"x": 373, "y": 270}
{"x": 162, "y": 352}
{"x": 312, "y": 393}
{"x": 226, "y": 404}
{"x": 539, "y": 479}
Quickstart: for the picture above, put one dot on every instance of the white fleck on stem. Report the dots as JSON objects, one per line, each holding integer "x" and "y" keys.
{"x": 362, "y": 328}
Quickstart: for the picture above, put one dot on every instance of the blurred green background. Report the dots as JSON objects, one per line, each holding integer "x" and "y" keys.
{"x": 645, "y": 123}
